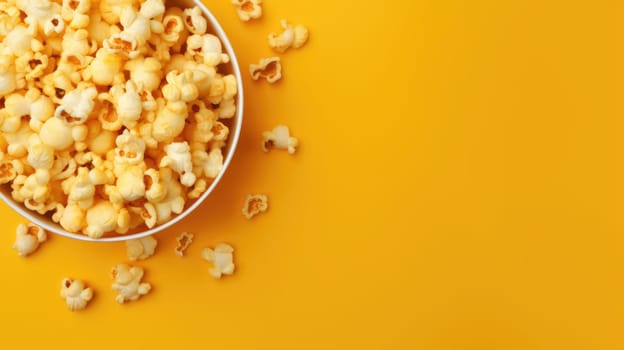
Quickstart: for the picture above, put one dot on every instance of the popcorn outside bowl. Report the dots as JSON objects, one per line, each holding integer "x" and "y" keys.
{"x": 235, "y": 124}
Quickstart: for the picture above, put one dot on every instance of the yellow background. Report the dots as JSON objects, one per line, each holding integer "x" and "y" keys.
{"x": 458, "y": 186}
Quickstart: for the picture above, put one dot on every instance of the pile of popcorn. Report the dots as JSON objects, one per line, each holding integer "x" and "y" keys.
{"x": 113, "y": 113}
{"x": 113, "y": 117}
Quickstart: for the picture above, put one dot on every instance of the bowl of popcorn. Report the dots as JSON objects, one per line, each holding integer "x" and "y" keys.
{"x": 117, "y": 117}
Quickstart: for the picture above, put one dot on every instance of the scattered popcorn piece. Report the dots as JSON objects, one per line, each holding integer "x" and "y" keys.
{"x": 75, "y": 293}
{"x": 290, "y": 37}
{"x": 221, "y": 258}
{"x": 268, "y": 68}
{"x": 141, "y": 248}
{"x": 28, "y": 237}
{"x": 255, "y": 204}
{"x": 248, "y": 9}
{"x": 279, "y": 138}
{"x": 183, "y": 240}
{"x": 128, "y": 283}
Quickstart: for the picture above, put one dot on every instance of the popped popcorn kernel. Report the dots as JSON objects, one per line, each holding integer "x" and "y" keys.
{"x": 183, "y": 241}
{"x": 28, "y": 237}
{"x": 141, "y": 248}
{"x": 127, "y": 282}
{"x": 269, "y": 69}
{"x": 255, "y": 204}
{"x": 195, "y": 21}
{"x": 248, "y": 9}
{"x": 178, "y": 158}
{"x": 294, "y": 37}
{"x": 76, "y": 294}
{"x": 222, "y": 259}
{"x": 279, "y": 138}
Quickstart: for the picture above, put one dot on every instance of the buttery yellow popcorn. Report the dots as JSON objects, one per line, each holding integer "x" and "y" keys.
{"x": 79, "y": 189}
{"x": 104, "y": 217}
{"x": 129, "y": 106}
{"x": 56, "y": 134}
{"x": 255, "y": 204}
{"x": 200, "y": 187}
{"x": 8, "y": 79}
{"x": 76, "y": 12}
{"x": 104, "y": 67}
{"x": 38, "y": 12}
{"x": 138, "y": 27}
{"x": 178, "y": 158}
{"x": 208, "y": 164}
{"x": 77, "y": 105}
{"x": 294, "y": 37}
{"x": 18, "y": 141}
{"x": 279, "y": 138}
{"x": 170, "y": 120}
{"x": 76, "y": 46}
{"x": 183, "y": 241}
{"x": 64, "y": 166}
{"x": 32, "y": 65}
{"x": 72, "y": 218}
{"x": 248, "y": 9}
{"x": 180, "y": 87}
{"x": 173, "y": 202}
{"x": 9, "y": 170}
{"x": 268, "y": 68}
{"x": 155, "y": 190}
{"x": 75, "y": 293}
{"x": 222, "y": 259}
{"x": 28, "y": 237}
{"x": 128, "y": 283}
{"x": 173, "y": 27}
{"x": 195, "y": 21}
{"x": 111, "y": 9}
{"x": 40, "y": 156}
{"x": 141, "y": 248}
{"x": 130, "y": 183}
{"x": 207, "y": 49}
{"x": 146, "y": 73}
{"x": 130, "y": 149}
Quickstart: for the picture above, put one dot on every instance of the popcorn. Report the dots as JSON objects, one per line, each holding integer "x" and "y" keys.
{"x": 170, "y": 120}
{"x": 279, "y": 138}
{"x": 255, "y": 204}
{"x": 183, "y": 241}
{"x": 180, "y": 87}
{"x": 173, "y": 202}
{"x": 268, "y": 68}
{"x": 28, "y": 237}
{"x": 138, "y": 27}
{"x": 104, "y": 67}
{"x": 105, "y": 217}
{"x": 173, "y": 25}
{"x": 76, "y": 12}
{"x": 75, "y": 293}
{"x": 128, "y": 283}
{"x": 72, "y": 218}
{"x": 146, "y": 73}
{"x": 248, "y": 9}
{"x": 141, "y": 248}
{"x": 222, "y": 259}
{"x": 77, "y": 105}
{"x": 178, "y": 158}
{"x": 110, "y": 110}
{"x": 129, "y": 106}
{"x": 206, "y": 49}
{"x": 208, "y": 163}
{"x": 290, "y": 37}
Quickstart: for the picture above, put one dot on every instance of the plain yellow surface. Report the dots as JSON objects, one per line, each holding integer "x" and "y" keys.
{"x": 458, "y": 186}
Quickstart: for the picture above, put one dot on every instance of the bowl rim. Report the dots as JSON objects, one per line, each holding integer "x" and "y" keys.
{"x": 234, "y": 138}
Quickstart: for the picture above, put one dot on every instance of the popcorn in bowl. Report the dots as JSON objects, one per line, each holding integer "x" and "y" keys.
{"x": 114, "y": 117}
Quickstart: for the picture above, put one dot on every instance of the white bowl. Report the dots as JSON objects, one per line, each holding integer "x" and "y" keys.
{"x": 235, "y": 127}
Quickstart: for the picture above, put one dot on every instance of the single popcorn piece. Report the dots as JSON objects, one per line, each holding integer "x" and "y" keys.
{"x": 255, "y": 204}
{"x": 28, "y": 237}
{"x": 76, "y": 294}
{"x": 279, "y": 138}
{"x": 146, "y": 73}
{"x": 103, "y": 68}
{"x": 129, "y": 106}
{"x": 195, "y": 21}
{"x": 294, "y": 37}
{"x": 77, "y": 105}
{"x": 180, "y": 87}
{"x": 141, "y": 248}
{"x": 183, "y": 241}
{"x": 248, "y": 9}
{"x": 178, "y": 158}
{"x": 268, "y": 68}
{"x": 128, "y": 283}
{"x": 222, "y": 259}
{"x": 206, "y": 48}
{"x": 76, "y": 12}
